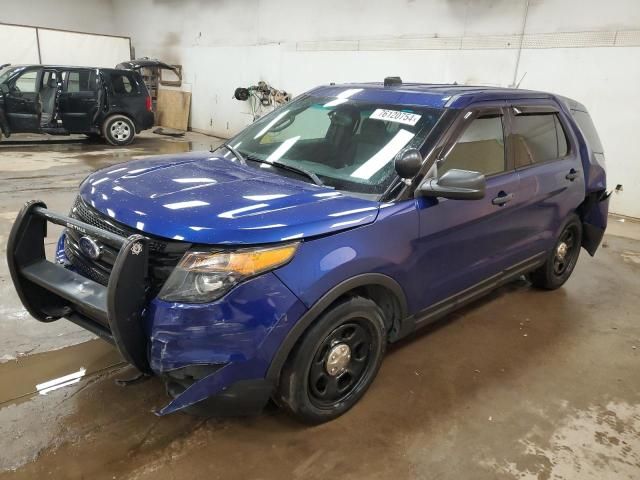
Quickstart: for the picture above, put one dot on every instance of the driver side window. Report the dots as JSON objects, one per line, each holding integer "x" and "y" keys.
{"x": 26, "y": 83}
{"x": 479, "y": 149}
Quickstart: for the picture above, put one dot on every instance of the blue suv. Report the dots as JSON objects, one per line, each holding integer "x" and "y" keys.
{"x": 282, "y": 264}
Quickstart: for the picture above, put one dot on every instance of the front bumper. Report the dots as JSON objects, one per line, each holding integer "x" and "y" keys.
{"x": 219, "y": 351}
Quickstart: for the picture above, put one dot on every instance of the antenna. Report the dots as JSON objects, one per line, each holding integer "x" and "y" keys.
{"x": 518, "y": 84}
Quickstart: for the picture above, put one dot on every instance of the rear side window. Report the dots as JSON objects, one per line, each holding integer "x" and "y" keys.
{"x": 583, "y": 119}
{"x": 80, "y": 81}
{"x": 538, "y": 138}
{"x": 480, "y": 148}
{"x": 123, "y": 84}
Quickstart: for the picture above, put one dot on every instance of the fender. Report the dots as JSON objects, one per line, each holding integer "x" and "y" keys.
{"x": 366, "y": 279}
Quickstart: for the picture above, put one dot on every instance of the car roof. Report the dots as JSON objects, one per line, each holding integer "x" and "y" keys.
{"x": 65, "y": 67}
{"x": 438, "y": 95}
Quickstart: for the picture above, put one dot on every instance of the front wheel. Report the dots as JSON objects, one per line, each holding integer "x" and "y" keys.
{"x": 118, "y": 130}
{"x": 562, "y": 259}
{"x": 336, "y": 362}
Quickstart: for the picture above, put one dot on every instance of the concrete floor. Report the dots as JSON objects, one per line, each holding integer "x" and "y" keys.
{"x": 523, "y": 384}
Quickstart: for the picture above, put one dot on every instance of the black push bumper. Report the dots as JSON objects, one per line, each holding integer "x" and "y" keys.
{"x": 49, "y": 291}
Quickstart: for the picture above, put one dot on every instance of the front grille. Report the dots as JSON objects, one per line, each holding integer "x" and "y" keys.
{"x": 88, "y": 214}
{"x": 163, "y": 255}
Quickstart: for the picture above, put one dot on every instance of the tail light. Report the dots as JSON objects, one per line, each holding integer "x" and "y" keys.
{"x": 149, "y": 104}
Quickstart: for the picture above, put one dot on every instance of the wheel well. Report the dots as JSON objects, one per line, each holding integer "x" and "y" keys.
{"x": 389, "y": 297}
{"x": 383, "y": 297}
{"x": 119, "y": 114}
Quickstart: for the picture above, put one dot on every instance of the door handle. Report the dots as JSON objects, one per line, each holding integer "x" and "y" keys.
{"x": 572, "y": 175}
{"x": 502, "y": 198}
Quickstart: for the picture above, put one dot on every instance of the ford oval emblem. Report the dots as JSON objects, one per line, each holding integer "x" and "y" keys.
{"x": 89, "y": 247}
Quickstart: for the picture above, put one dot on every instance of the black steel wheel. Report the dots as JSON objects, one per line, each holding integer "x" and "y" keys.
{"x": 340, "y": 363}
{"x": 335, "y": 363}
{"x": 562, "y": 259}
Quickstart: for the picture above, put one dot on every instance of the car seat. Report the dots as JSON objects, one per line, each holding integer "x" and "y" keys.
{"x": 48, "y": 99}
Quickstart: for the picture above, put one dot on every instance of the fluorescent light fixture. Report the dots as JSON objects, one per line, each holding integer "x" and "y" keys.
{"x": 384, "y": 156}
{"x": 264, "y": 198}
{"x": 98, "y": 182}
{"x": 264, "y": 227}
{"x": 187, "y": 204}
{"x": 233, "y": 213}
{"x": 282, "y": 149}
{"x": 292, "y": 237}
{"x": 327, "y": 194}
{"x": 348, "y": 222}
{"x": 349, "y": 212}
{"x": 342, "y": 97}
{"x": 56, "y": 383}
{"x": 194, "y": 180}
{"x": 266, "y": 128}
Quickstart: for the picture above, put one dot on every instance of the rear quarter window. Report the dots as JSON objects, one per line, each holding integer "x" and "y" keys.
{"x": 123, "y": 84}
{"x": 583, "y": 119}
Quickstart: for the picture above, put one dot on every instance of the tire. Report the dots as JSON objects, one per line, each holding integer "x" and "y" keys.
{"x": 322, "y": 378}
{"x": 118, "y": 130}
{"x": 561, "y": 259}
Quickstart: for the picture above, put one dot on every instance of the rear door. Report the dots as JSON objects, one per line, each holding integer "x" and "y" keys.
{"x": 544, "y": 152}
{"x": 22, "y": 102}
{"x": 79, "y": 100}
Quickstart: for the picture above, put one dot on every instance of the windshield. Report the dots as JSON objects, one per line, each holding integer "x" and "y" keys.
{"x": 349, "y": 145}
{"x": 5, "y": 72}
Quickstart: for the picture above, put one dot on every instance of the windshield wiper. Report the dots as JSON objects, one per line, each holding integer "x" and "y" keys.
{"x": 298, "y": 170}
{"x": 236, "y": 153}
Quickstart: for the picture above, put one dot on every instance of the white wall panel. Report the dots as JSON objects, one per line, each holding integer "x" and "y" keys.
{"x": 79, "y": 49}
{"x": 585, "y": 49}
{"x": 604, "y": 80}
{"x": 19, "y": 45}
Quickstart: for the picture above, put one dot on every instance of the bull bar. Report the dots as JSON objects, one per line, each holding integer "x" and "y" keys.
{"x": 50, "y": 291}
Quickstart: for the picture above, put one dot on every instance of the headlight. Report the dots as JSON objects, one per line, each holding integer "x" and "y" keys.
{"x": 202, "y": 277}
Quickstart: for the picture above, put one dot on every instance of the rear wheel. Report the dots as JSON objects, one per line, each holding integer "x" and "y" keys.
{"x": 562, "y": 259}
{"x": 118, "y": 130}
{"x": 336, "y": 362}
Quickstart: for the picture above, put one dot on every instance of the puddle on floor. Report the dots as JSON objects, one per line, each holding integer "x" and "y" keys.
{"x": 43, "y": 373}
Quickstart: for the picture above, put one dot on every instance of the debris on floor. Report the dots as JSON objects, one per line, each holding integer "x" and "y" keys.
{"x": 169, "y": 132}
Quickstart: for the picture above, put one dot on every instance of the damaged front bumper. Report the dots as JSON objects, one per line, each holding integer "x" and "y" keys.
{"x": 215, "y": 354}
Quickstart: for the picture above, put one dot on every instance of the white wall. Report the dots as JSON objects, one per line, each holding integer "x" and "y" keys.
{"x": 92, "y": 16}
{"x": 586, "y": 49}
{"x": 579, "y": 48}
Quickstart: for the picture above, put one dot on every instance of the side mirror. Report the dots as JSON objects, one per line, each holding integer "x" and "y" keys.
{"x": 408, "y": 163}
{"x": 455, "y": 184}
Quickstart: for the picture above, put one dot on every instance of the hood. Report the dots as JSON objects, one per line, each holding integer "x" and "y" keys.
{"x": 201, "y": 198}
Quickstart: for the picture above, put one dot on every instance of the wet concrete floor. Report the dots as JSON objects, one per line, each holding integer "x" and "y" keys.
{"x": 523, "y": 384}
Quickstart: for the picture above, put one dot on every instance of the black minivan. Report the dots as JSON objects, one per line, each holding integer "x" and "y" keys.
{"x": 99, "y": 102}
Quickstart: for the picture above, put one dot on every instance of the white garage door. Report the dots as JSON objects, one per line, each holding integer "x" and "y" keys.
{"x": 57, "y": 47}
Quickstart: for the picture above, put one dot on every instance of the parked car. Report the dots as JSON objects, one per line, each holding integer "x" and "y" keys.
{"x": 100, "y": 102}
{"x": 283, "y": 263}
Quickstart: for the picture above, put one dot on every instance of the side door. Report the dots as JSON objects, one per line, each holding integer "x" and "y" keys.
{"x": 546, "y": 157}
{"x": 22, "y": 102}
{"x": 464, "y": 243}
{"x": 79, "y": 100}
